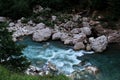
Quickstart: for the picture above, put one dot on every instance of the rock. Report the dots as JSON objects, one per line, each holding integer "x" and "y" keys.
{"x": 85, "y": 19}
{"x": 37, "y": 9}
{"x": 78, "y": 38}
{"x": 92, "y": 69}
{"x": 88, "y": 47}
{"x": 30, "y": 22}
{"x": 42, "y": 35}
{"x": 75, "y": 31}
{"x": 85, "y": 24}
{"x": 11, "y": 24}
{"x": 68, "y": 41}
{"x": 86, "y": 30}
{"x": 79, "y": 46}
{"x": 93, "y": 23}
{"x": 99, "y": 44}
{"x": 54, "y": 18}
{"x": 76, "y": 17}
{"x": 40, "y": 26}
{"x": 64, "y": 36}
{"x": 114, "y": 37}
{"x": 69, "y": 24}
{"x": 3, "y": 19}
{"x": 56, "y": 36}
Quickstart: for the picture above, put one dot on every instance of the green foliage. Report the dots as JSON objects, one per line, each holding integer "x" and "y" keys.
{"x": 15, "y": 8}
{"x": 7, "y": 75}
{"x": 114, "y": 9}
{"x": 10, "y": 52}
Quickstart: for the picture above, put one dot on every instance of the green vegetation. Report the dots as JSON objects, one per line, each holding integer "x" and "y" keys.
{"x": 10, "y": 53}
{"x": 23, "y": 8}
{"x": 7, "y": 75}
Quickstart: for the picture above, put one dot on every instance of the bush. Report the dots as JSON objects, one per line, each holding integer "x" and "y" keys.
{"x": 15, "y": 8}
{"x": 10, "y": 53}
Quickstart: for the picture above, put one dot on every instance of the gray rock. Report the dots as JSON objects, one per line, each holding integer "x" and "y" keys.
{"x": 75, "y": 31}
{"x": 88, "y": 47}
{"x": 56, "y": 36}
{"x": 86, "y": 30}
{"x": 54, "y": 18}
{"x": 40, "y": 26}
{"x": 64, "y": 36}
{"x": 79, "y": 46}
{"x": 78, "y": 38}
{"x": 86, "y": 24}
{"x": 42, "y": 35}
{"x": 76, "y": 17}
{"x": 11, "y": 24}
{"x": 99, "y": 44}
{"x": 3, "y": 19}
{"x": 84, "y": 19}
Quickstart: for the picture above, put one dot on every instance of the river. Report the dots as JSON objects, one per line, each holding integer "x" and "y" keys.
{"x": 65, "y": 58}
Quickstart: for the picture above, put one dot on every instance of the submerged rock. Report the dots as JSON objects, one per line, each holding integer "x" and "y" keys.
{"x": 92, "y": 69}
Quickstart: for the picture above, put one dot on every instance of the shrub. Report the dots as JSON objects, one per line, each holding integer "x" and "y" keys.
{"x": 10, "y": 53}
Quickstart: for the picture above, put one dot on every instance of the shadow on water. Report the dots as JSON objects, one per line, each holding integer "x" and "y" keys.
{"x": 108, "y": 62}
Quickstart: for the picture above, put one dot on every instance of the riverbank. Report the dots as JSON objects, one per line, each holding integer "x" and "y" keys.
{"x": 83, "y": 33}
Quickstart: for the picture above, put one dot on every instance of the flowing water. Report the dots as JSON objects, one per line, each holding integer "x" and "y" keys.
{"x": 65, "y": 58}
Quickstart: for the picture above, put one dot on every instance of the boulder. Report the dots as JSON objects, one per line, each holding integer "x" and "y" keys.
{"x": 11, "y": 24}
{"x": 64, "y": 36}
{"x": 86, "y": 30}
{"x": 99, "y": 44}
{"x": 79, "y": 46}
{"x": 86, "y": 24}
{"x": 92, "y": 69}
{"x": 3, "y": 19}
{"x": 85, "y": 19}
{"x": 76, "y": 17}
{"x": 40, "y": 26}
{"x": 78, "y": 38}
{"x": 54, "y": 18}
{"x": 114, "y": 37}
{"x": 42, "y": 35}
{"x": 68, "y": 41}
{"x": 56, "y": 36}
{"x": 75, "y": 31}
{"x": 88, "y": 47}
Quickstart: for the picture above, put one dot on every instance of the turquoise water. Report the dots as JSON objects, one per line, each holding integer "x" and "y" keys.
{"x": 64, "y": 58}
{"x": 108, "y": 62}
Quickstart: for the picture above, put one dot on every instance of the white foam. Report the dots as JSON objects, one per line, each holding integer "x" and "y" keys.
{"x": 62, "y": 58}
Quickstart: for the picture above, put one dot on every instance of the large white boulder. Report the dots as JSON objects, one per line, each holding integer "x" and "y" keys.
{"x": 42, "y": 35}
{"x": 99, "y": 44}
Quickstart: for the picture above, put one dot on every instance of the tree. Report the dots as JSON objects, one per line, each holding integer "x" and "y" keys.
{"x": 11, "y": 53}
